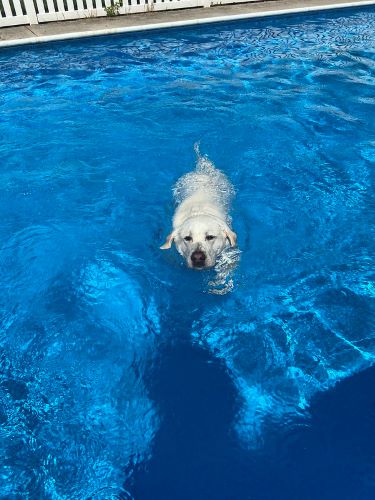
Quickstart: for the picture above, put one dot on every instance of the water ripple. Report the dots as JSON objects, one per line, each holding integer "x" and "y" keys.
{"x": 93, "y": 136}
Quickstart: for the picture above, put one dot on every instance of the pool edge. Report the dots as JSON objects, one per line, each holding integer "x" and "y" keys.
{"x": 182, "y": 23}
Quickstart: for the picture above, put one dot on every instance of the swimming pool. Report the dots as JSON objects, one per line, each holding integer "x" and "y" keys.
{"x": 121, "y": 377}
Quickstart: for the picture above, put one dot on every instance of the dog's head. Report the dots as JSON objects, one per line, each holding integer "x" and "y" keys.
{"x": 200, "y": 240}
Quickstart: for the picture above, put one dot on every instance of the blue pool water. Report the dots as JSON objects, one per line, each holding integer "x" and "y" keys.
{"x": 121, "y": 375}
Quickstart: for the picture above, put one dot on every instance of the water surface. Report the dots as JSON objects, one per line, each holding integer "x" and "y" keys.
{"x": 121, "y": 377}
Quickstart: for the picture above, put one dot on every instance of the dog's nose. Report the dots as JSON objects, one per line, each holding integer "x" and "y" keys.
{"x": 198, "y": 258}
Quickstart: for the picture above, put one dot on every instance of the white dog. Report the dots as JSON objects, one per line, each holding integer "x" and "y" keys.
{"x": 201, "y": 224}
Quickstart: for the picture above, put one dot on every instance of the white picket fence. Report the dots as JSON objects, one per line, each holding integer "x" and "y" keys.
{"x": 16, "y": 12}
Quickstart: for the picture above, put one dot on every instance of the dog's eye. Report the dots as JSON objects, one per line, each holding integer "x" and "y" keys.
{"x": 210, "y": 237}
{"x": 188, "y": 238}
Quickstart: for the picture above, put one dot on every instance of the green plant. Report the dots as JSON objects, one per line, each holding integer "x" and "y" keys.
{"x": 113, "y": 10}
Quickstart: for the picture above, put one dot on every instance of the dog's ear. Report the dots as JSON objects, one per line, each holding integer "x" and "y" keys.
{"x": 231, "y": 235}
{"x": 168, "y": 242}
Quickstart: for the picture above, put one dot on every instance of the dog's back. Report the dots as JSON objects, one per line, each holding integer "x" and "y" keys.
{"x": 204, "y": 184}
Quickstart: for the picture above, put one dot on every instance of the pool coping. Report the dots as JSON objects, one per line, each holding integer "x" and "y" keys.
{"x": 205, "y": 19}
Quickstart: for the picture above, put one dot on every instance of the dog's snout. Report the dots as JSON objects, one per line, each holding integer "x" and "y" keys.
{"x": 198, "y": 258}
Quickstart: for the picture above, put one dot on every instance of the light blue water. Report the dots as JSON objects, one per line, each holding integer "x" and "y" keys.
{"x": 120, "y": 375}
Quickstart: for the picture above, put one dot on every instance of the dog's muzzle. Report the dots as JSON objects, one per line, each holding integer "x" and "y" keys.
{"x": 198, "y": 259}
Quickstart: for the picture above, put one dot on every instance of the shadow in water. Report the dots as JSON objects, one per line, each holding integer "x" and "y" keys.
{"x": 195, "y": 455}
{"x": 196, "y": 401}
{"x": 334, "y": 457}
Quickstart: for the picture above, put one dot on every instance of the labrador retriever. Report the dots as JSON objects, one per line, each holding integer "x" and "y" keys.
{"x": 201, "y": 223}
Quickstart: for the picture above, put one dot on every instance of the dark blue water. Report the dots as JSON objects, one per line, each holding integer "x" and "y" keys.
{"x": 121, "y": 375}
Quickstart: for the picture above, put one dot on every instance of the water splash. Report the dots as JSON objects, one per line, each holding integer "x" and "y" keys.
{"x": 223, "y": 280}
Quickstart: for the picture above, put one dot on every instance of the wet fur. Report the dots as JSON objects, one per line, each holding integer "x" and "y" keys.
{"x": 203, "y": 197}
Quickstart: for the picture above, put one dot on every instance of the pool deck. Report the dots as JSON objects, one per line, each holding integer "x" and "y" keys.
{"x": 62, "y": 30}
